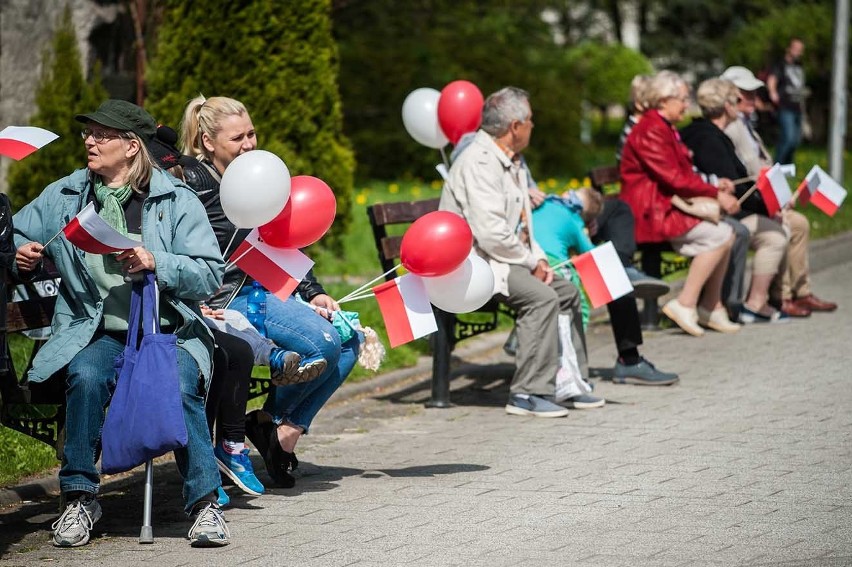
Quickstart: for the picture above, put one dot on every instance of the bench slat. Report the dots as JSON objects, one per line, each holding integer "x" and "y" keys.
{"x": 601, "y": 176}
{"x": 396, "y": 213}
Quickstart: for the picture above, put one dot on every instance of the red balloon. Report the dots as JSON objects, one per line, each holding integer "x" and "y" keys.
{"x": 306, "y": 217}
{"x": 436, "y": 244}
{"x": 459, "y": 109}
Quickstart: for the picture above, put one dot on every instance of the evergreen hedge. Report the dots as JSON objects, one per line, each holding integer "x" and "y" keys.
{"x": 280, "y": 60}
{"x": 62, "y": 93}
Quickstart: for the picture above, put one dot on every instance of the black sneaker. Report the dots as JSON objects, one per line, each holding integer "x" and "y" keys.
{"x": 642, "y": 374}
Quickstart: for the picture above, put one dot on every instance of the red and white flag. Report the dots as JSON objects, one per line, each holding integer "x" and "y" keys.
{"x": 602, "y": 274}
{"x": 774, "y": 189}
{"x": 405, "y": 307}
{"x": 829, "y": 195}
{"x": 809, "y": 184}
{"x": 279, "y": 270}
{"x": 17, "y": 142}
{"x": 90, "y": 233}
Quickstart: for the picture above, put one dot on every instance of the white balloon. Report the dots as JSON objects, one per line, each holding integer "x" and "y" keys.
{"x": 465, "y": 289}
{"x": 420, "y": 118}
{"x": 254, "y": 188}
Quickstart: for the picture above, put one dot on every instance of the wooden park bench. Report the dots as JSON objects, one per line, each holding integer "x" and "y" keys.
{"x": 657, "y": 259}
{"x": 451, "y": 328}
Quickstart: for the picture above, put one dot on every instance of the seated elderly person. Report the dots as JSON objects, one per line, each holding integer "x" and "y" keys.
{"x": 791, "y": 291}
{"x": 655, "y": 167}
{"x": 713, "y": 153}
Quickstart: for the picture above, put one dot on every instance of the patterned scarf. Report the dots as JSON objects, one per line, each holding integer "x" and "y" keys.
{"x": 112, "y": 201}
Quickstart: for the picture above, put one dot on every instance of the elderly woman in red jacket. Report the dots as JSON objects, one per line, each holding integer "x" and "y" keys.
{"x": 656, "y": 166}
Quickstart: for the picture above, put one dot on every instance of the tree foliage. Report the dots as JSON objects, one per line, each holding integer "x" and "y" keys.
{"x": 280, "y": 60}
{"x": 607, "y": 70}
{"x": 390, "y": 48}
{"x": 62, "y": 93}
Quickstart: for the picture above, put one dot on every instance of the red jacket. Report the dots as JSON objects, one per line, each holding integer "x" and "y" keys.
{"x": 655, "y": 165}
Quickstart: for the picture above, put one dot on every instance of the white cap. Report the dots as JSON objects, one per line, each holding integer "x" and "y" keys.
{"x": 742, "y": 78}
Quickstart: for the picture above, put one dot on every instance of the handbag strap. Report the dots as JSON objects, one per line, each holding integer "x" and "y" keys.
{"x": 150, "y": 309}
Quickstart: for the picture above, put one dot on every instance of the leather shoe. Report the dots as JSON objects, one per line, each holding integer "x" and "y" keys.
{"x": 790, "y": 307}
{"x": 814, "y": 303}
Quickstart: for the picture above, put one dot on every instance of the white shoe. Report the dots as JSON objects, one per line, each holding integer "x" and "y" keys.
{"x": 717, "y": 320}
{"x": 684, "y": 317}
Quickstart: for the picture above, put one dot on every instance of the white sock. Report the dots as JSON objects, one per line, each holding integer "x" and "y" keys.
{"x": 233, "y": 447}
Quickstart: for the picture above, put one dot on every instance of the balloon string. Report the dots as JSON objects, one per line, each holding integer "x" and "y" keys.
{"x": 357, "y": 298}
{"x": 228, "y": 247}
{"x": 355, "y": 292}
{"x": 444, "y": 157}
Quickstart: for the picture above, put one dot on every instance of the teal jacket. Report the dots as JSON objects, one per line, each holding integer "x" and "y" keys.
{"x": 175, "y": 230}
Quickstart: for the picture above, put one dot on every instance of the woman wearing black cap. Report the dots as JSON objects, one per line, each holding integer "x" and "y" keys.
{"x": 90, "y": 319}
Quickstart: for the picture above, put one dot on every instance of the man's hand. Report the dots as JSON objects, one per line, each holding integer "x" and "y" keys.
{"x": 212, "y": 313}
{"x": 536, "y": 197}
{"x": 324, "y": 306}
{"x": 543, "y": 272}
{"x": 28, "y": 256}
{"x": 728, "y": 203}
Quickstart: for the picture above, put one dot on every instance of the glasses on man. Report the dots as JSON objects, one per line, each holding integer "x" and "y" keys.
{"x": 99, "y": 136}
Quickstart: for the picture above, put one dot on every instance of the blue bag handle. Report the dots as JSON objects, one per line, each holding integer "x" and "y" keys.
{"x": 143, "y": 300}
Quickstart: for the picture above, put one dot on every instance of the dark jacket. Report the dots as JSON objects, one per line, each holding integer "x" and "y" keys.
{"x": 204, "y": 180}
{"x": 655, "y": 165}
{"x": 713, "y": 152}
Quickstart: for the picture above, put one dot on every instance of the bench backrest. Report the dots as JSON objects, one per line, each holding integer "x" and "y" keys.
{"x": 603, "y": 176}
{"x": 384, "y": 215}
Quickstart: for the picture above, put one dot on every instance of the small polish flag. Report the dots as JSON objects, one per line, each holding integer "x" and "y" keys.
{"x": 829, "y": 195}
{"x": 279, "y": 270}
{"x": 602, "y": 274}
{"x": 809, "y": 184}
{"x": 405, "y": 307}
{"x": 17, "y": 142}
{"x": 774, "y": 189}
{"x": 90, "y": 233}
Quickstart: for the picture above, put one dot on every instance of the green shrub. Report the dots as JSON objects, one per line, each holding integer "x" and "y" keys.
{"x": 280, "y": 60}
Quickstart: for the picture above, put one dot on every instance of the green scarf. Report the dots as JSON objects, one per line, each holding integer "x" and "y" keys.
{"x": 112, "y": 201}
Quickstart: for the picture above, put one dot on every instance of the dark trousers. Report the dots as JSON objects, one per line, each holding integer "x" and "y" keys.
{"x": 733, "y": 286}
{"x": 233, "y": 362}
{"x": 615, "y": 223}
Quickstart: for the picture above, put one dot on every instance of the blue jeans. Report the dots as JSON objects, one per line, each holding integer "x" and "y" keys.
{"x": 295, "y": 326}
{"x": 91, "y": 380}
{"x": 790, "y": 134}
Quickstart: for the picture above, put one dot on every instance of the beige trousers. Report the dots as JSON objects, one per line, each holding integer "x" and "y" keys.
{"x": 794, "y": 281}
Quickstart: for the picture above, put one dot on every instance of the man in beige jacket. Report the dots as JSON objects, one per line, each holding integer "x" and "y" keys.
{"x": 487, "y": 185}
{"x": 793, "y": 288}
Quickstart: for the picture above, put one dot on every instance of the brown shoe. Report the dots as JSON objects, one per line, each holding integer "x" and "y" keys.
{"x": 814, "y": 303}
{"x": 792, "y": 309}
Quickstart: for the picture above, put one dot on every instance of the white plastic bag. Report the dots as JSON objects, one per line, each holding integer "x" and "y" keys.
{"x": 569, "y": 380}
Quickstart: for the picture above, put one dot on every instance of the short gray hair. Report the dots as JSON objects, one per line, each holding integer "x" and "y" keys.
{"x": 712, "y": 95}
{"x": 504, "y": 107}
{"x": 663, "y": 85}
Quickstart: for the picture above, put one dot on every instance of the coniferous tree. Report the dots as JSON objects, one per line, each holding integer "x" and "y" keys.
{"x": 280, "y": 60}
{"x": 62, "y": 93}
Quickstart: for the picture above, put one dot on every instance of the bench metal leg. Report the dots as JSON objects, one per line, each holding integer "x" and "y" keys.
{"x": 441, "y": 360}
{"x": 650, "y": 314}
{"x": 147, "y": 533}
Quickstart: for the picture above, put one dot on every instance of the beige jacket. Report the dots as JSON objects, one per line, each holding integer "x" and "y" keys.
{"x": 750, "y": 149}
{"x": 489, "y": 191}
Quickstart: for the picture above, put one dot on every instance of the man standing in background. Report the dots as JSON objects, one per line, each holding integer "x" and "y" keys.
{"x": 786, "y": 86}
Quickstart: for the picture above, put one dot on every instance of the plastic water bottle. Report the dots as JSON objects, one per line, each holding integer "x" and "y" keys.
{"x": 256, "y": 307}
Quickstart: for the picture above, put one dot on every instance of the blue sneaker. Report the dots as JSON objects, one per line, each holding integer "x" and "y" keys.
{"x": 238, "y": 468}
{"x": 525, "y": 404}
{"x": 222, "y": 498}
{"x": 284, "y": 366}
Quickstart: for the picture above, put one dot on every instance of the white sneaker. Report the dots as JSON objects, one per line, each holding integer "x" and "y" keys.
{"x": 73, "y": 526}
{"x": 717, "y": 320}
{"x": 684, "y": 317}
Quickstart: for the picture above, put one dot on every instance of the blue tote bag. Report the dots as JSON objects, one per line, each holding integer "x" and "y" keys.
{"x": 145, "y": 417}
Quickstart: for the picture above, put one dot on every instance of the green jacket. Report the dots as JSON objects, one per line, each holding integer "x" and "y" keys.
{"x": 175, "y": 230}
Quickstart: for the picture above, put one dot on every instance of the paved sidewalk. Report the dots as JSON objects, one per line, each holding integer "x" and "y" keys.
{"x": 746, "y": 462}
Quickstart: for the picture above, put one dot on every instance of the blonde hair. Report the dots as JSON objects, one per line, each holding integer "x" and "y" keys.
{"x": 204, "y": 116}
{"x": 663, "y": 85}
{"x": 638, "y": 86}
{"x": 712, "y": 95}
{"x": 141, "y": 165}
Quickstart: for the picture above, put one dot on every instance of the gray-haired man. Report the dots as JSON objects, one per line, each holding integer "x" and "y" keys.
{"x": 487, "y": 185}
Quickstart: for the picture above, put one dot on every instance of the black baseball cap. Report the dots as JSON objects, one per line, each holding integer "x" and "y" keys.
{"x": 163, "y": 148}
{"x": 123, "y": 116}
